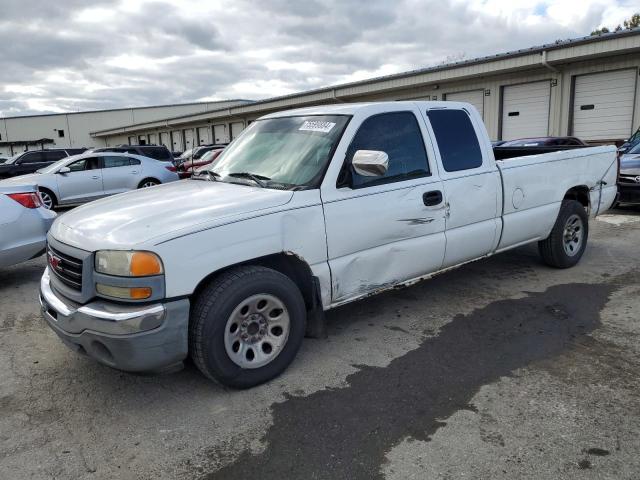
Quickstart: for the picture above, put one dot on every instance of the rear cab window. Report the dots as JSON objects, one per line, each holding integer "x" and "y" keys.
{"x": 456, "y": 139}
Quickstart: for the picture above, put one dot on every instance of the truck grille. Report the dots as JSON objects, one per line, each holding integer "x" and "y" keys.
{"x": 66, "y": 268}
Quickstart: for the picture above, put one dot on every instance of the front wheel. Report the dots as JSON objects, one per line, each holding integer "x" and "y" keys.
{"x": 246, "y": 326}
{"x": 567, "y": 241}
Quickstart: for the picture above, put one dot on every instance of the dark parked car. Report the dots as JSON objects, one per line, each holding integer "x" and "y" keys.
{"x": 544, "y": 142}
{"x": 631, "y": 142}
{"x": 629, "y": 179}
{"x": 159, "y": 152}
{"x": 32, "y": 160}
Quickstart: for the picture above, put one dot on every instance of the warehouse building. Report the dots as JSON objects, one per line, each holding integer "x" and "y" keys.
{"x": 72, "y": 130}
{"x": 587, "y": 87}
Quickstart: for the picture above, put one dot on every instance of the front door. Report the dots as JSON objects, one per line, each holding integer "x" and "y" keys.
{"x": 388, "y": 229}
{"x": 83, "y": 183}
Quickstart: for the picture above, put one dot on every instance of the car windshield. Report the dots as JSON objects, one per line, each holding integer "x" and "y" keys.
{"x": 56, "y": 165}
{"x": 14, "y": 158}
{"x": 635, "y": 149}
{"x": 186, "y": 154}
{"x": 289, "y": 151}
{"x": 525, "y": 142}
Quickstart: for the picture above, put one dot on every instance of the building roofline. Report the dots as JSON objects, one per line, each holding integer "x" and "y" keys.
{"x": 237, "y": 100}
{"x": 559, "y": 44}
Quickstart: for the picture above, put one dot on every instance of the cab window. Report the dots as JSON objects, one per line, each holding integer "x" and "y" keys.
{"x": 398, "y": 135}
{"x": 456, "y": 139}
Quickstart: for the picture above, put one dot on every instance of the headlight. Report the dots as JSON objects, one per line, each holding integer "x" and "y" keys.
{"x": 128, "y": 264}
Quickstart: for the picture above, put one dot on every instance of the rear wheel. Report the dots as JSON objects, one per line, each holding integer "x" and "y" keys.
{"x": 564, "y": 247}
{"x": 148, "y": 182}
{"x": 246, "y": 326}
{"x": 48, "y": 199}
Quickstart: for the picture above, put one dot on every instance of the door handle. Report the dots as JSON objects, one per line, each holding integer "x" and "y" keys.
{"x": 134, "y": 172}
{"x": 432, "y": 198}
{"x": 95, "y": 177}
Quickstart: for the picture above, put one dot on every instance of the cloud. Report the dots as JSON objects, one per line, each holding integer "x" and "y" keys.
{"x": 87, "y": 54}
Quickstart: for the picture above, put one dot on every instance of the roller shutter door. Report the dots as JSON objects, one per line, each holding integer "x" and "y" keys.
{"x": 236, "y": 128}
{"x": 220, "y": 134}
{"x": 603, "y": 105}
{"x": 203, "y": 136}
{"x": 153, "y": 138}
{"x": 188, "y": 139}
{"x": 474, "y": 97}
{"x": 176, "y": 140}
{"x": 165, "y": 140}
{"x": 525, "y": 110}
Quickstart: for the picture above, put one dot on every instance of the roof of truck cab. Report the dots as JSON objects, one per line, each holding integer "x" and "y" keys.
{"x": 352, "y": 108}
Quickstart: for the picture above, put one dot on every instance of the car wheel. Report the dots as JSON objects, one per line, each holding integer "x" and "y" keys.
{"x": 564, "y": 247}
{"x": 148, "y": 182}
{"x": 246, "y": 326}
{"x": 48, "y": 199}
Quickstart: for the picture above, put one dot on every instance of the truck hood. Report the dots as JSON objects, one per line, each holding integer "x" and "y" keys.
{"x": 178, "y": 208}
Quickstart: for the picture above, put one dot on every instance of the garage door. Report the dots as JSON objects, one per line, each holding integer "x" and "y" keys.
{"x": 236, "y": 128}
{"x": 525, "y": 110}
{"x": 474, "y": 97}
{"x": 132, "y": 141}
{"x": 164, "y": 140}
{"x": 188, "y": 139}
{"x": 603, "y": 105}
{"x": 203, "y": 136}
{"x": 153, "y": 138}
{"x": 220, "y": 134}
{"x": 176, "y": 141}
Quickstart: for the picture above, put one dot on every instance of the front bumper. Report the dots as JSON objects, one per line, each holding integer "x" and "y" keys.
{"x": 127, "y": 337}
{"x": 629, "y": 192}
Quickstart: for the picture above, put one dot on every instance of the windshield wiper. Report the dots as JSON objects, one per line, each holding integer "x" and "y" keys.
{"x": 212, "y": 176}
{"x": 259, "y": 179}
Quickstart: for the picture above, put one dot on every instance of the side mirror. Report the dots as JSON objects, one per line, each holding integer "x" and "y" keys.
{"x": 370, "y": 163}
{"x": 64, "y": 170}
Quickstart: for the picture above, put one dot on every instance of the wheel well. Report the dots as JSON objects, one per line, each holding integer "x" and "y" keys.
{"x": 286, "y": 263}
{"x": 580, "y": 194}
{"x": 53, "y": 195}
{"x": 148, "y": 178}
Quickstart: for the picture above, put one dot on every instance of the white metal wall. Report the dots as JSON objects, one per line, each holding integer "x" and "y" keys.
{"x": 474, "y": 97}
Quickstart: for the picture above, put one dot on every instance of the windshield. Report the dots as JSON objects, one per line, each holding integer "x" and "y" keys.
{"x": 525, "y": 142}
{"x": 635, "y": 149}
{"x": 14, "y": 158}
{"x": 186, "y": 154}
{"x": 290, "y": 151}
{"x": 56, "y": 165}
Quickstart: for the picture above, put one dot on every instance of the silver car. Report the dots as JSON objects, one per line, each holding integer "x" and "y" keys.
{"x": 89, "y": 176}
{"x": 24, "y": 223}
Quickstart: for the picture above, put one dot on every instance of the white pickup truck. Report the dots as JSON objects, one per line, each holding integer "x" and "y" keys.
{"x": 307, "y": 210}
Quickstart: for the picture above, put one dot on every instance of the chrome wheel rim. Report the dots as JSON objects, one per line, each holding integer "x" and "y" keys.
{"x": 573, "y": 235}
{"x": 47, "y": 201}
{"x": 148, "y": 184}
{"x": 257, "y": 331}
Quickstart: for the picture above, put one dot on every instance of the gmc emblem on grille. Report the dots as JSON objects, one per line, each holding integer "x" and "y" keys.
{"x": 54, "y": 261}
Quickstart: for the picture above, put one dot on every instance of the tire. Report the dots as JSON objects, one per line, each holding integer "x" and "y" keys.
{"x": 148, "y": 182}
{"x": 49, "y": 200}
{"x": 221, "y": 305}
{"x": 564, "y": 247}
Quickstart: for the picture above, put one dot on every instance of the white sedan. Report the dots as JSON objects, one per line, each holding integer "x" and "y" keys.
{"x": 89, "y": 176}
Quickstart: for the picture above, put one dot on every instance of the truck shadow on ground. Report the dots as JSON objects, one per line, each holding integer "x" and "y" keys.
{"x": 346, "y": 432}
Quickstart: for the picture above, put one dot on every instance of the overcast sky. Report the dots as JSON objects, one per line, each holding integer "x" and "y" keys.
{"x": 71, "y": 55}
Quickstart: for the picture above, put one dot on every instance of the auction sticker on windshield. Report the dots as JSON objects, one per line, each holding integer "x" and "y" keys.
{"x": 317, "y": 126}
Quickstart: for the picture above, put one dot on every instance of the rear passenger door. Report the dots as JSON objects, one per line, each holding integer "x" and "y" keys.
{"x": 30, "y": 162}
{"x": 119, "y": 174}
{"x": 384, "y": 230}
{"x": 471, "y": 183}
